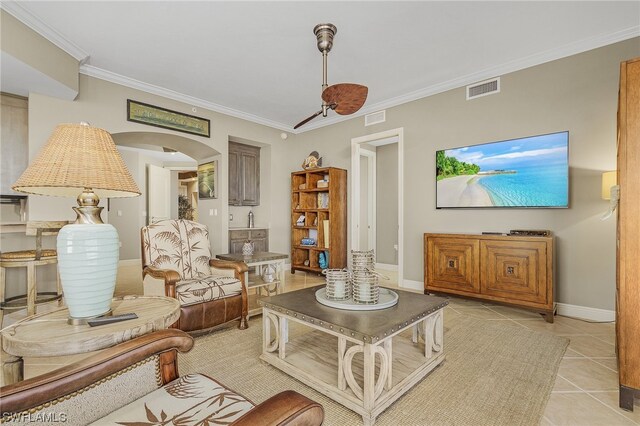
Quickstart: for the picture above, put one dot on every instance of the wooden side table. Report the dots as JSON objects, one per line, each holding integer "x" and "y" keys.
{"x": 48, "y": 334}
{"x": 260, "y": 259}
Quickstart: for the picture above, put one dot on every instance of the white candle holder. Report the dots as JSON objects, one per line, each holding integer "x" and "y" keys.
{"x": 365, "y": 287}
{"x": 338, "y": 284}
{"x": 364, "y": 281}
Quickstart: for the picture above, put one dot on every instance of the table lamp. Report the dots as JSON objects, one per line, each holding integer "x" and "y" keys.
{"x": 80, "y": 159}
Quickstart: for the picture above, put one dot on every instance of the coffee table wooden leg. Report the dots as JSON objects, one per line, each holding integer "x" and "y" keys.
{"x": 12, "y": 369}
{"x": 433, "y": 334}
{"x": 388, "y": 348}
{"x": 415, "y": 333}
{"x": 342, "y": 347}
{"x": 280, "y": 267}
{"x": 268, "y": 344}
{"x": 428, "y": 336}
{"x": 369, "y": 392}
{"x": 284, "y": 337}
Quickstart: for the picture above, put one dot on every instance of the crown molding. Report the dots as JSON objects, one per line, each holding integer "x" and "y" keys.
{"x": 18, "y": 11}
{"x": 102, "y": 74}
{"x": 25, "y": 16}
{"x": 509, "y": 67}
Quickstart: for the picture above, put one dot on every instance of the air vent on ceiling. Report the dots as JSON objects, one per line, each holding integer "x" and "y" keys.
{"x": 375, "y": 118}
{"x": 483, "y": 88}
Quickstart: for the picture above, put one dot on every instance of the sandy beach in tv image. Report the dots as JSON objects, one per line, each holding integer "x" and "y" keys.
{"x": 527, "y": 172}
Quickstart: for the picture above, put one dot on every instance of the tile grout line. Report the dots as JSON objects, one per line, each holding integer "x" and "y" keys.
{"x": 596, "y": 399}
{"x": 593, "y": 359}
{"x": 608, "y": 368}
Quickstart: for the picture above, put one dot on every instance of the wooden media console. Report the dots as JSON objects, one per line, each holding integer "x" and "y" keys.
{"x": 507, "y": 269}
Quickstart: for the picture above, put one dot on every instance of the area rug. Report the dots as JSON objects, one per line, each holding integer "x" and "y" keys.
{"x": 495, "y": 373}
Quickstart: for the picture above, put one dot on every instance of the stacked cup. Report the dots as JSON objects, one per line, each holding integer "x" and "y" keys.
{"x": 338, "y": 284}
{"x": 364, "y": 281}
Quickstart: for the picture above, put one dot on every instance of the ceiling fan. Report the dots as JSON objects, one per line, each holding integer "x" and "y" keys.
{"x": 343, "y": 98}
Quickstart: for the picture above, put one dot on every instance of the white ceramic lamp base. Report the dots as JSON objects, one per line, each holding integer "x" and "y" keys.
{"x": 88, "y": 257}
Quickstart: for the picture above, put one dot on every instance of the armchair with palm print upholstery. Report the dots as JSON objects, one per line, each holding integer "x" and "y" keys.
{"x": 176, "y": 262}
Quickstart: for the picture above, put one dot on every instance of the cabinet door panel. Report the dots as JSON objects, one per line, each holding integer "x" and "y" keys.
{"x": 260, "y": 244}
{"x": 250, "y": 166}
{"x": 453, "y": 264}
{"x": 514, "y": 270}
{"x": 258, "y": 233}
{"x": 234, "y": 178}
{"x": 235, "y": 246}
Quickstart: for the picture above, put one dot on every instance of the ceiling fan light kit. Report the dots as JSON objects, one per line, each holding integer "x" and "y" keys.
{"x": 343, "y": 98}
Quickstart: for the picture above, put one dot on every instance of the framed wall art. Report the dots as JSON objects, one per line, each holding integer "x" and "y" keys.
{"x": 139, "y": 112}
{"x": 207, "y": 180}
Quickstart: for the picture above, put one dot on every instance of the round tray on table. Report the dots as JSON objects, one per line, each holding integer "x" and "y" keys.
{"x": 387, "y": 299}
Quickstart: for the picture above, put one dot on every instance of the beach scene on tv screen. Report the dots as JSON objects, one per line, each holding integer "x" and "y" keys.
{"x": 526, "y": 172}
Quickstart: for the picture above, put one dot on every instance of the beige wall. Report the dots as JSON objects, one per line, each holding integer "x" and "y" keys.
{"x": 578, "y": 94}
{"x": 103, "y": 104}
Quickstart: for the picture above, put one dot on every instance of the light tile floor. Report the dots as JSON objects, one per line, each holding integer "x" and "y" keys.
{"x": 585, "y": 391}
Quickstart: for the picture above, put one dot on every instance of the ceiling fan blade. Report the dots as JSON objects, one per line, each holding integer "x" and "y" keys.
{"x": 306, "y": 120}
{"x": 347, "y": 97}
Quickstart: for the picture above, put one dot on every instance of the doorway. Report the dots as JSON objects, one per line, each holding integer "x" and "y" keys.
{"x": 386, "y": 192}
{"x": 367, "y": 226}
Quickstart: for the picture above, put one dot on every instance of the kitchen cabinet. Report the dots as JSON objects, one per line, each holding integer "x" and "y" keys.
{"x": 244, "y": 175}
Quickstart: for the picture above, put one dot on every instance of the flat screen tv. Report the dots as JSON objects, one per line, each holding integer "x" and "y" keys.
{"x": 525, "y": 172}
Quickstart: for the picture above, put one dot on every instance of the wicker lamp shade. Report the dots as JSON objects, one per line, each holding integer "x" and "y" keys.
{"x": 78, "y": 156}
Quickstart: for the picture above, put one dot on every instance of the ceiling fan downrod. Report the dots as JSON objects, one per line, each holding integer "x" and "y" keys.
{"x": 324, "y": 34}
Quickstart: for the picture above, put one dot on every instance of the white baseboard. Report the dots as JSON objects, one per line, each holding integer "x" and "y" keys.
{"x": 585, "y": 312}
{"x": 413, "y": 285}
{"x": 130, "y": 262}
{"x": 386, "y": 266}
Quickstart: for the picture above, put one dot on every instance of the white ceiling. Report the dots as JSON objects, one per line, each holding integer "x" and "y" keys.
{"x": 258, "y": 60}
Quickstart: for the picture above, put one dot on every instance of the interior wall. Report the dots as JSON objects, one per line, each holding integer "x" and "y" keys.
{"x": 579, "y": 94}
{"x": 125, "y": 214}
{"x": 103, "y": 104}
{"x": 175, "y": 184}
{"x": 387, "y": 204}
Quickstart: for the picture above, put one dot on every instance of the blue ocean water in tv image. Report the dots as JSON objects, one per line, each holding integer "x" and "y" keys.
{"x": 532, "y": 186}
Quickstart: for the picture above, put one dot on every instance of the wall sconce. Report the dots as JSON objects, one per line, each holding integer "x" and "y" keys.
{"x": 609, "y": 179}
{"x": 610, "y": 191}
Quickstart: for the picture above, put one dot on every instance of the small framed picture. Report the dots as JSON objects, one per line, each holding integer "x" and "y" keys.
{"x": 207, "y": 180}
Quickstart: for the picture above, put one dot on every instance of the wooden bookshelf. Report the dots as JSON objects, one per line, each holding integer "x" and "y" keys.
{"x": 319, "y": 204}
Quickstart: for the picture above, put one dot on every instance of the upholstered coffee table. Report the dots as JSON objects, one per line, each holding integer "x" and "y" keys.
{"x": 324, "y": 358}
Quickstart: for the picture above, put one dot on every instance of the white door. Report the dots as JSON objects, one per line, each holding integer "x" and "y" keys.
{"x": 159, "y": 193}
